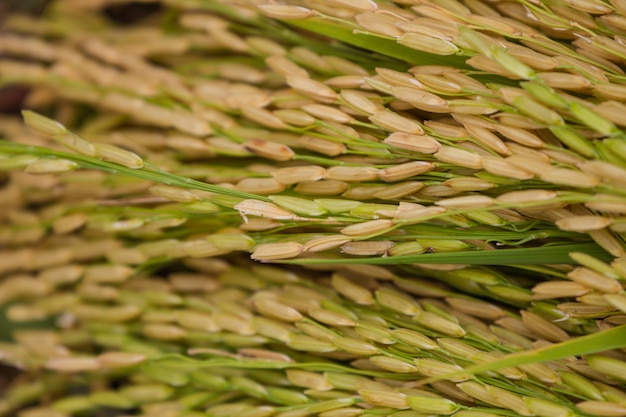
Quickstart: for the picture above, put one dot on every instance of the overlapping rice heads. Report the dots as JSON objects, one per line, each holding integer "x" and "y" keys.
{"x": 444, "y": 184}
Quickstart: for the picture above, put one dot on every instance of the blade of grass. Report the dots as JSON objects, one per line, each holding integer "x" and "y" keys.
{"x": 614, "y": 338}
{"x": 151, "y": 174}
{"x": 548, "y": 254}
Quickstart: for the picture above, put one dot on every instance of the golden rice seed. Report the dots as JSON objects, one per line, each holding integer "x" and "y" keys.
{"x": 504, "y": 168}
{"x": 105, "y": 273}
{"x": 457, "y": 347}
{"x": 293, "y": 175}
{"x": 436, "y": 368}
{"x": 321, "y": 145}
{"x": 146, "y": 392}
{"x": 360, "y": 102}
{"x": 405, "y": 170}
{"x": 381, "y": 398}
{"x": 284, "y": 66}
{"x": 310, "y": 344}
{"x": 399, "y": 190}
{"x": 73, "y": 364}
{"x": 565, "y": 81}
{"x": 428, "y": 44}
{"x": 110, "y": 360}
{"x": 397, "y": 301}
{"x": 378, "y": 83}
{"x": 299, "y": 205}
{"x": 616, "y": 300}
{"x": 265, "y": 47}
{"x": 344, "y": 66}
{"x": 421, "y": 99}
{"x": 381, "y": 23}
{"x": 285, "y": 12}
{"x": 604, "y": 170}
{"x": 602, "y": 408}
{"x": 272, "y": 329}
{"x": 367, "y": 248}
{"x": 358, "y": 5}
{"x": 309, "y": 58}
{"x": 609, "y": 392}
{"x": 413, "y": 142}
{"x": 618, "y": 264}
{"x": 468, "y": 184}
{"x": 460, "y": 157}
{"x": 261, "y": 186}
{"x": 562, "y": 156}
{"x": 439, "y": 84}
{"x": 418, "y": 215}
{"x": 274, "y": 309}
{"x": 16, "y": 162}
{"x": 570, "y": 177}
{"x": 476, "y": 308}
{"x": 607, "y": 203}
{"x": 273, "y": 251}
{"x": 351, "y": 290}
{"x": 582, "y": 310}
{"x": 327, "y": 113}
{"x": 437, "y": 323}
{"x": 406, "y": 248}
{"x": 308, "y": 379}
{"x": 349, "y": 173}
{"x": 337, "y": 205}
{"x": 543, "y": 327}
{"x": 526, "y": 196}
{"x": 372, "y": 227}
{"x": 294, "y": 117}
{"x": 263, "y": 117}
{"x": 395, "y": 122}
{"x": 324, "y": 243}
{"x": 355, "y": 346}
{"x": 595, "y": 280}
{"x": 331, "y": 318}
{"x": 75, "y": 143}
{"x": 610, "y": 91}
{"x": 173, "y": 193}
{"x": 69, "y": 223}
{"x": 42, "y": 123}
{"x": 521, "y": 136}
{"x": 316, "y": 331}
{"x": 466, "y": 202}
{"x": 321, "y": 187}
{"x": 374, "y": 331}
{"x": 270, "y": 150}
{"x": 557, "y": 289}
{"x": 234, "y": 323}
{"x": 583, "y": 224}
{"x": 483, "y": 393}
{"x": 197, "y": 248}
{"x": 118, "y": 155}
{"x": 346, "y": 81}
{"x": 427, "y": 404}
{"x": 196, "y": 320}
{"x": 61, "y": 275}
{"x": 581, "y": 385}
{"x": 260, "y": 208}
{"x": 486, "y": 138}
{"x": 513, "y": 373}
{"x": 126, "y": 256}
{"x": 311, "y": 88}
{"x": 446, "y": 129}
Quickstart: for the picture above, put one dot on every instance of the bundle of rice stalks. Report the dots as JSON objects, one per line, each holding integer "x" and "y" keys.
{"x": 300, "y": 208}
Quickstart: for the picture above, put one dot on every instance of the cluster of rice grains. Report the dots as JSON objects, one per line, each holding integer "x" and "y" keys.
{"x": 474, "y": 147}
